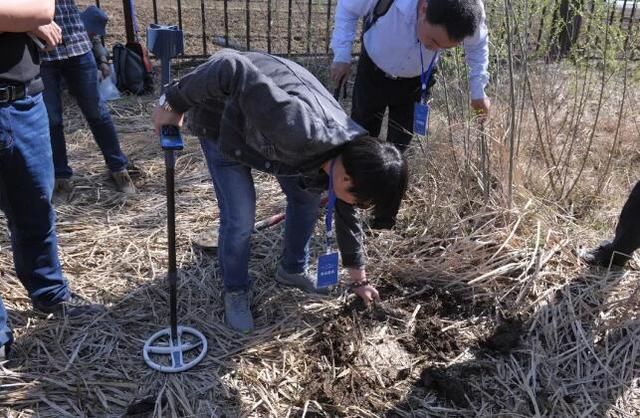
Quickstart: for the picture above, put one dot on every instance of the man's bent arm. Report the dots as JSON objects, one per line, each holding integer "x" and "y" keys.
{"x": 349, "y": 236}
{"x": 25, "y": 15}
{"x": 476, "y": 50}
{"x": 348, "y": 12}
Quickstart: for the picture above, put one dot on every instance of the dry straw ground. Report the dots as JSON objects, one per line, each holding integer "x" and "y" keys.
{"x": 486, "y": 309}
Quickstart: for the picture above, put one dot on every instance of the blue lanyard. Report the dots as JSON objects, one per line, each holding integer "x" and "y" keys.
{"x": 424, "y": 78}
{"x": 331, "y": 203}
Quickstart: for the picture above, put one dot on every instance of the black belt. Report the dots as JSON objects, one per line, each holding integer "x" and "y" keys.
{"x": 382, "y": 72}
{"x": 11, "y": 91}
{"x": 393, "y": 77}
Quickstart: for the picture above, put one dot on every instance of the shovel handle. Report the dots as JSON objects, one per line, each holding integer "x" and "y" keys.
{"x": 277, "y": 218}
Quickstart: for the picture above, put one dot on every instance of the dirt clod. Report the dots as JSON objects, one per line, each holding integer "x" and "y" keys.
{"x": 336, "y": 341}
{"x": 448, "y": 387}
{"x": 429, "y": 340}
{"x": 375, "y": 312}
{"x": 505, "y": 337}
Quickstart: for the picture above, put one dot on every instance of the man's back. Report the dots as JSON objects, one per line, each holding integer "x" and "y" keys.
{"x": 273, "y": 109}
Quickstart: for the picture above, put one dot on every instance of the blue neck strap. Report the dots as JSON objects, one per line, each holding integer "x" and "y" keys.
{"x": 331, "y": 203}
{"x": 426, "y": 77}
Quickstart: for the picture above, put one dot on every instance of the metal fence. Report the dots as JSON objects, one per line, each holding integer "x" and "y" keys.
{"x": 283, "y": 27}
{"x": 303, "y": 27}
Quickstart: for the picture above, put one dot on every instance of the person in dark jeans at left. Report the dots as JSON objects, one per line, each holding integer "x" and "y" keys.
{"x": 73, "y": 60}
{"x": 627, "y": 238}
{"x": 26, "y": 169}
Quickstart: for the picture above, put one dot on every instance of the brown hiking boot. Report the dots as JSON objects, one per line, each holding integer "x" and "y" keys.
{"x": 123, "y": 181}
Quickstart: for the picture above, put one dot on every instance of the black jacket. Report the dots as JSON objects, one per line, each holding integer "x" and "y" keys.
{"x": 272, "y": 115}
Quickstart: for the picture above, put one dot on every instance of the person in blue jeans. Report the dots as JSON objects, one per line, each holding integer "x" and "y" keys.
{"x": 74, "y": 62}
{"x": 26, "y": 169}
{"x": 255, "y": 111}
{"x": 236, "y": 197}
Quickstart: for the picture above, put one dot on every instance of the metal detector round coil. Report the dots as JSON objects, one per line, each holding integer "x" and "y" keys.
{"x": 176, "y": 355}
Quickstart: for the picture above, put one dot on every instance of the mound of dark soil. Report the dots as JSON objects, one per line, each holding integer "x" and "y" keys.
{"x": 446, "y": 386}
{"x": 505, "y": 337}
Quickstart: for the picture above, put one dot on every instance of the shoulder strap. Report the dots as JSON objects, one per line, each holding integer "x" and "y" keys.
{"x": 381, "y": 8}
{"x": 119, "y": 66}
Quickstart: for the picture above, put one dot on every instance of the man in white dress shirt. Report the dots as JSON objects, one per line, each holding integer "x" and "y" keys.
{"x": 401, "y": 41}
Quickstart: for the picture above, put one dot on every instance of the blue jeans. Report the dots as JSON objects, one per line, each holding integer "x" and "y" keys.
{"x": 236, "y": 197}
{"x": 26, "y": 184}
{"x": 81, "y": 75}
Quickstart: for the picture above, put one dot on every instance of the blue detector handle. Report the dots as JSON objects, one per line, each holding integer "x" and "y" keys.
{"x": 170, "y": 138}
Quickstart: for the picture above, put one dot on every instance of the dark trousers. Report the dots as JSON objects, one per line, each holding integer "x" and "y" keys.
{"x": 374, "y": 91}
{"x": 627, "y": 238}
{"x": 81, "y": 75}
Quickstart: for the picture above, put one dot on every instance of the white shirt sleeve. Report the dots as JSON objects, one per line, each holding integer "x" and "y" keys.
{"x": 348, "y": 12}
{"x": 476, "y": 50}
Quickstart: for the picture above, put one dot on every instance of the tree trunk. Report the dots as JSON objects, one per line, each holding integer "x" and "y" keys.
{"x": 565, "y": 28}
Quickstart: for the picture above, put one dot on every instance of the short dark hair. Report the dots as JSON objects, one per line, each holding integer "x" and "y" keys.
{"x": 379, "y": 174}
{"x": 460, "y": 18}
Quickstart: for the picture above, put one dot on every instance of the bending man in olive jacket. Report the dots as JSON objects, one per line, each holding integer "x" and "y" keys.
{"x": 257, "y": 111}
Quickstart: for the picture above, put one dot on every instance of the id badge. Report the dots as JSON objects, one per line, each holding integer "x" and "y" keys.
{"x": 327, "y": 270}
{"x": 420, "y": 119}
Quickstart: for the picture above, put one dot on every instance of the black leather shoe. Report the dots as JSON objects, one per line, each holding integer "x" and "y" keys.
{"x": 604, "y": 255}
{"x": 74, "y": 306}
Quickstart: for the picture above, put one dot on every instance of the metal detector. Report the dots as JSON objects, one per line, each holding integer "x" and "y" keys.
{"x": 172, "y": 349}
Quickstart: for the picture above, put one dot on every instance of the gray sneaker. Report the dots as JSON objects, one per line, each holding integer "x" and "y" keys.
{"x": 237, "y": 311}
{"x": 123, "y": 181}
{"x": 73, "y": 307}
{"x": 303, "y": 281}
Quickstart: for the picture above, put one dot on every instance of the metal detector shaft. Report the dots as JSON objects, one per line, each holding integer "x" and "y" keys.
{"x": 166, "y": 42}
{"x": 170, "y": 162}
